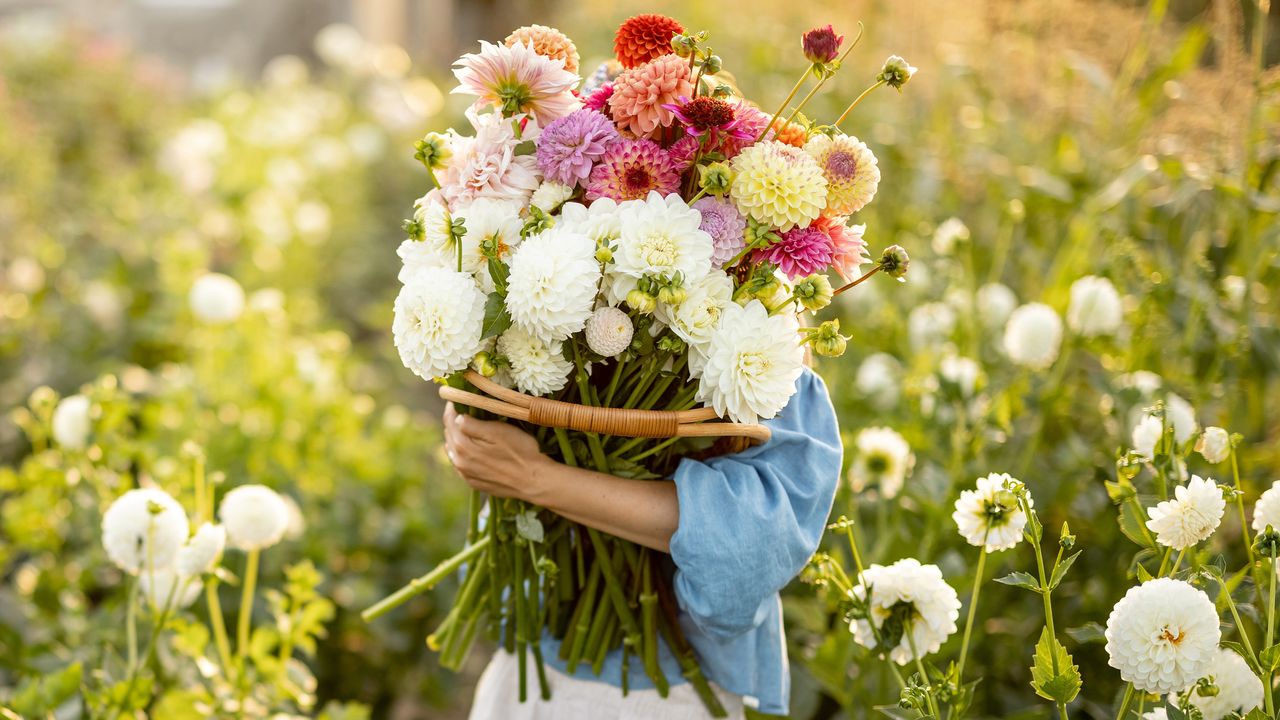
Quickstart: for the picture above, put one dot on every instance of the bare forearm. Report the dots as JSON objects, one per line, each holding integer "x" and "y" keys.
{"x": 642, "y": 511}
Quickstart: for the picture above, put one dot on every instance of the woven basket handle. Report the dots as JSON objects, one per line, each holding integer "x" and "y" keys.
{"x": 606, "y": 421}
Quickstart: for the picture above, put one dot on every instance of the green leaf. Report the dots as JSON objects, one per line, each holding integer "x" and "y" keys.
{"x": 528, "y": 147}
{"x": 1269, "y": 659}
{"x": 496, "y": 317}
{"x": 1088, "y": 633}
{"x": 1020, "y": 579}
{"x": 499, "y": 271}
{"x": 1143, "y": 574}
{"x": 1062, "y": 685}
{"x": 1061, "y": 569}
{"x": 1256, "y": 714}
{"x": 1173, "y": 713}
{"x": 1239, "y": 650}
{"x": 529, "y": 527}
{"x": 1133, "y": 526}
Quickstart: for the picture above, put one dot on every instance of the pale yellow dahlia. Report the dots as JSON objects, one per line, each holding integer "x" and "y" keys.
{"x": 850, "y": 169}
{"x": 778, "y": 185}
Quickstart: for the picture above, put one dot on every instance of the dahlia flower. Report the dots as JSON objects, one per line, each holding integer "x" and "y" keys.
{"x": 751, "y": 364}
{"x": 990, "y": 515}
{"x": 493, "y": 222}
{"x": 487, "y": 166}
{"x": 695, "y": 319}
{"x": 1214, "y": 445}
{"x": 537, "y": 367}
{"x": 609, "y": 331}
{"x": 930, "y": 325}
{"x": 849, "y": 250}
{"x": 640, "y": 94}
{"x": 165, "y": 589}
{"x": 683, "y": 152}
{"x": 601, "y": 221}
{"x": 139, "y": 540}
{"x": 778, "y": 185}
{"x": 568, "y": 147}
{"x": 1163, "y": 635}
{"x": 660, "y": 237}
{"x": 912, "y": 594}
{"x": 962, "y": 372}
{"x": 710, "y": 117}
{"x": 631, "y": 169}
{"x": 552, "y": 286}
{"x": 879, "y": 380}
{"x": 1239, "y": 689}
{"x": 599, "y": 100}
{"x": 439, "y": 316}
{"x": 70, "y": 424}
{"x": 1095, "y": 307}
{"x": 1267, "y": 510}
{"x": 750, "y": 120}
{"x": 850, "y": 169}
{"x": 201, "y": 552}
{"x": 216, "y": 299}
{"x": 547, "y": 42}
{"x": 255, "y": 517}
{"x": 726, "y": 226}
{"x": 821, "y": 45}
{"x": 516, "y": 79}
{"x": 884, "y": 459}
{"x": 1033, "y": 336}
{"x": 1181, "y": 416}
{"x": 550, "y": 195}
{"x": 995, "y": 303}
{"x": 1146, "y": 435}
{"x": 789, "y": 133}
{"x": 947, "y": 234}
{"x": 802, "y": 252}
{"x": 643, "y": 38}
{"x": 1190, "y": 517}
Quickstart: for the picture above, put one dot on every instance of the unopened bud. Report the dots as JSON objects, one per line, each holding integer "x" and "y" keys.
{"x": 483, "y": 363}
{"x": 894, "y": 261}
{"x": 814, "y": 292}
{"x": 432, "y": 151}
{"x": 896, "y": 72}
{"x": 642, "y": 302}
{"x": 712, "y": 64}
{"x": 671, "y": 344}
{"x": 672, "y": 295}
{"x": 604, "y": 254}
{"x": 715, "y": 178}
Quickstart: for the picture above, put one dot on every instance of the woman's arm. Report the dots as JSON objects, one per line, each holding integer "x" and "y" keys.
{"x": 500, "y": 459}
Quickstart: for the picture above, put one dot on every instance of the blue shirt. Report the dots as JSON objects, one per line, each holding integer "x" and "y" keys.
{"x": 748, "y": 524}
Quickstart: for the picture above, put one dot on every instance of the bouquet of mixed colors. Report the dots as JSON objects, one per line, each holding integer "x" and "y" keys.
{"x": 644, "y": 241}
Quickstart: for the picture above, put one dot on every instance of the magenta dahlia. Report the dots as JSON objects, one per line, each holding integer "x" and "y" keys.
{"x": 630, "y": 169}
{"x": 803, "y": 251}
{"x": 749, "y": 121}
{"x": 712, "y": 117}
{"x": 599, "y": 100}
{"x": 683, "y": 152}
{"x": 570, "y": 145}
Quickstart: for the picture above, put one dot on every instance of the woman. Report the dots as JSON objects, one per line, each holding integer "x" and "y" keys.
{"x": 738, "y": 528}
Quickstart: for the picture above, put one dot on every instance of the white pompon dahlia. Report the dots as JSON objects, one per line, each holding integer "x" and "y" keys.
{"x": 1163, "y": 635}
{"x": 216, "y": 299}
{"x": 1267, "y": 510}
{"x": 1146, "y": 435}
{"x": 1033, "y": 336}
{"x": 488, "y": 222}
{"x": 168, "y": 589}
{"x": 143, "y": 530}
{"x": 201, "y": 552}
{"x": 884, "y": 460}
{"x": 752, "y": 362}
{"x": 552, "y": 286}
{"x": 995, "y": 303}
{"x": 71, "y": 423}
{"x": 538, "y": 367}
{"x": 439, "y": 317}
{"x": 990, "y": 516}
{"x": 609, "y": 331}
{"x": 695, "y": 319}
{"x": 1190, "y": 517}
{"x": 1095, "y": 308}
{"x": 916, "y": 597}
{"x": 1239, "y": 689}
{"x": 659, "y": 237}
{"x": 1182, "y": 416}
{"x": 255, "y": 517}
{"x": 1214, "y": 445}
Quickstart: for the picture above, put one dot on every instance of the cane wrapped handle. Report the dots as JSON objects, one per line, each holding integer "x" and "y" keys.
{"x": 622, "y": 422}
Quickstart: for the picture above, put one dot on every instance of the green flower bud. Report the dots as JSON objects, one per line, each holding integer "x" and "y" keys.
{"x": 894, "y": 261}
{"x": 896, "y": 72}
{"x": 642, "y": 302}
{"x": 715, "y": 178}
{"x": 414, "y": 230}
{"x": 604, "y": 254}
{"x": 484, "y": 364}
{"x": 1267, "y": 543}
{"x": 826, "y": 339}
{"x": 672, "y": 295}
{"x": 814, "y": 292}
{"x": 671, "y": 344}
{"x": 432, "y": 151}
{"x": 712, "y": 65}
{"x": 721, "y": 92}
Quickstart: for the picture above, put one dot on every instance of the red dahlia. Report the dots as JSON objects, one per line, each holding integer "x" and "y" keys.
{"x": 643, "y": 38}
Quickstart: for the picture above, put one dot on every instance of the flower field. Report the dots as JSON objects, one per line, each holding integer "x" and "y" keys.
{"x": 1061, "y": 432}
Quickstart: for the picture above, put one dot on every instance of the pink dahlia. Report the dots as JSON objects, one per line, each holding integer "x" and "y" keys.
{"x": 599, "y": 100}
{"x": 726, "y": 226}
{"x": 630, "y": 169}
{"x": 516, "y": 80}
{"x": 712, "y": 117}
{"x": 750, "y": 121}
{"x": 849, "y": 249}
{"x": 568, "y": 146}
{"x": 487, "y": 166}
{"x": 639, "y": 94}
{"x": 803, "y": 251}
{"x": 683, "y": 151}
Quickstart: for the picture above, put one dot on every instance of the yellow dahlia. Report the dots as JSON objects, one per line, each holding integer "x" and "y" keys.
{"x": 547, "y": 42}
{"x": 778, "y": 185}
{"x": 850, "y": 169}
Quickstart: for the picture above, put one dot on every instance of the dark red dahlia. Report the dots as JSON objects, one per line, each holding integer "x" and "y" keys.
{"x": 822, "y": 44}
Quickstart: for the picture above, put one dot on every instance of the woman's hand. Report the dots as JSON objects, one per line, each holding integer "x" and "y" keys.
{"x": 495, "y": 458}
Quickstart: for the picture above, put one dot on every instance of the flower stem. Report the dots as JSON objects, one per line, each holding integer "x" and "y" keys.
{"x": 822, "y": 79}
{"x": 924, "y": 676}
{"x": 973, "y": 606}
{"x": 698, "y": 197}
{"x": 419, "y": 585}
{"x": 1244, "y": 525}
{"x": 245, "y": 618}
{"x": 218, "y": 623}
{"x": 855, "y": 102}
{"x": 860, "y": 280}
{"x": 1271, "y": 604}
{"x": 1124, "y": 704}
{"x": 1178, "y": 562}
{"x": 781, "y": 108}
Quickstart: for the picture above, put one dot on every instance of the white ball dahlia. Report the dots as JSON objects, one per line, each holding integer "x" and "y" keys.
{"x": 216, "y": 299}
{"x": 553, "y": 283}
{"x": 255, "y": 517}
{"x": 990, "y": 514}
{"x": 143, "y": 530}
{"x": 962, "y": 372}
{"x": 659, "y": 237}
{"x": 1146, "y": 435}
{"x": 1033, "y": 336}
{"x": 778, "y": 185}
{"x": 1095, "y": 308}
{"x": 1163, "y": 635}
{"x": 439, "y": 317}
{"x": 166, "y": 588}
{"x": 1214, "y": 445}
{"x": 695, "y": 319}
{"x": 202, "y": 551}
{"x": 1239, "y": 689}
{"x": 601, "y": 221}
{"x": 538, "y": 367}
{"x": 609, "y": 331}
{"x": 929, "y": 325}
{"x": 1182, "y": 416}
{"x": 995, "y": 303}
{"x": 850, "y": 169}
{"x": 914, "y": 594}
{"x": 1190, "y": 517}
{"x": 71, "y": 424}
{"x": 1267, "y": 510}
{"x": 884, "y": 459}
{"x": 752, "y": 362}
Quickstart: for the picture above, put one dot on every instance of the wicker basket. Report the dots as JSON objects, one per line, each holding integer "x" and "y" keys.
{"x": 606, "y": 421}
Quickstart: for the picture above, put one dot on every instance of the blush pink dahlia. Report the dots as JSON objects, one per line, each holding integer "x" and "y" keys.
{"x": 568, "y": 146}
{"x": 517, "y": 79}
{"x": 803, "y": 251}
{"x": 849, "y": 249}
{"x": 487, "y": 166}
{"x": 631, "y": 169}
{"x": 726, "y": 226}
{"x": 639, "y": 94}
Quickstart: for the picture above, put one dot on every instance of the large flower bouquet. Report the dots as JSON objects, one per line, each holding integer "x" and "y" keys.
{"x": 644, "y": 240}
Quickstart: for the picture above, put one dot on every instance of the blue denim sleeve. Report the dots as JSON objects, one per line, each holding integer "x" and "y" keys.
{"x": 750, "y": 521}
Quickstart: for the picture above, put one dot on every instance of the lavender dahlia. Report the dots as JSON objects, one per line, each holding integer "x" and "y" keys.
{"x": 631, "y": 169}
{"x": 722, "y": 221}
{"x": 570, "y": 145}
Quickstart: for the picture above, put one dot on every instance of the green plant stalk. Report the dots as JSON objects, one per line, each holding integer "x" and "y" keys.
{"x": 924, "y": 675}
{"x": 1177, "y": 562}
{"x": 149, "y": 655}
{"x": 649, "y": 620}
{"x": 973, "y": 607}
{"x": 855, "y": 102}
{"x": 782, "y": 108}
{"x": 522, "y": 619}
{"x": 1271, "y": 608}
{"x": 218, "y": 624}
{"x": 1244, "y": 525}
{"x": 822, "y": 79}
{"x": 245, "y": 618}
{"x": 1045, "y": 593}
{"x": 1244, "y": 640}
{"x": 571, "y": 651}
{"x": 419, "y": 585}
{"x": 692, "y": 671}
{"x": 197, "y": 470}
{"x": 1126, "y": 702}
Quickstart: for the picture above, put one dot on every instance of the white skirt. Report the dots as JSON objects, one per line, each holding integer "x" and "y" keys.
{"x": 497, "y": 697}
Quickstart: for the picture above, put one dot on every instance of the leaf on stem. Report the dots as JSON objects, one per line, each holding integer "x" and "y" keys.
{"x": 496, "y": 317}
{"x": 1062, "y": 686}
{"x": 1060, "y": 569}
{"x": 528, "y": 526}
{"x": 1020, "y": 579}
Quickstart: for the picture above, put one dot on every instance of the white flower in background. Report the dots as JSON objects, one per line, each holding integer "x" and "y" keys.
{"x": 268, "y": 301}
{"x": 216, "y": 298}
{"x": 1235, "y": 288}
{"x": 929, "y": 325}
{"x": 695, "y": 319}
{"x": 913, "y": 593}
{"x": 137, "y": 539}
{"x": 1267, "y": 510}
{"x": 602, "y": 221}
{"x": 1157, "y": 714}
{"x": 552, "y": 286}
{"x": 1182, "y": 417}
{"x": 166, "y": 588}
{"x": 947, "y": 234}
{"x": 1145, "y": 382}
{"x": 1095, "y": 307}
{"x": 609, "y": 331}
{"x": 660, "y": 237}
{"x": 878, "y": 378}
{"x": 991, "y": 515}
{"x": 884, "y": 459}
{"x": 189, "y": 156}
{"x": 202, "y": 551}
{"x": 538, "y": 367}
{"x": 1239, "y": 689}
{"x": 297, "y": 522}
{"x": 1190, "y": 517}
{"x": 439, "y": 317}
{"x": 751, "y": 364}
{"x": 313, "y": 220}
{"x": 962, "y": 372}
{"x": 341, "y": 45}
{"x": 255, "y": 517}
{"x": 105, "y": 303}
{"x": 1033, "y": 336}
{"x": 1214, "y": 445}
{"x": 1146, "y": 435}
{"x": 71, "y": 424}
{"x": 550, "y": 196}
{"x": 995, "y": 303}
{"x": 1163, "y": 635}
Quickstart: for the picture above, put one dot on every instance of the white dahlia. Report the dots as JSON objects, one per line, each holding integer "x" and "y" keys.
{"x": 143, "y": 530}
{"x": 995, "y": 303}
{"x": 1267, "y": 510}
{"x": 202, "y": 551}
{"x": 550, "y": 195}
{"x": 216, "y": 299}
{"x": 439, "y": 317}
{"x": 917, "y": 597}
{"x": 879, "y": 378}
{"x": 929, "y": 325}
{"x": 538, "y": 367}
{"x": 1190, "y": 517}
{"x": 752, "y": 363}
{"x": 660, "y": 237}
{"x": 1146, "y": 435}
{"x": 850, "y": 169}
{"x": 884, "y": 459}
{"x": 962, "y": 372}
{"x": 602, "y": 221}
{"x": 1095, "y": 308}
{"x": 1163, "y": 635}
{"x": 990, "y": 515}
{"x": 778, "y": 185}
{"x": 609, "y": 331}
{"x": 1239, "y": 689}
{"x": 255, "y": 517}
{"x": 695, "y": 319}
{"x": 553, "y": 283}
{"x": 1033, "y": 336}
{"x": 1182, "y": 417}
{"x": 947, "y": 234}
{"x": 495, "y": 222}
{"x": 71, "y": 423}
{"x": 1214, "y": 445}
{"x": 167, "y": 589}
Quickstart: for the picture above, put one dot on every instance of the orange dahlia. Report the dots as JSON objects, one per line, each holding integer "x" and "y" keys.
{"x": 640, "y": 93}
{"x": 643, "y": 38}
{"x": 792, "y": 133}
{"x": 547, "y": 42}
